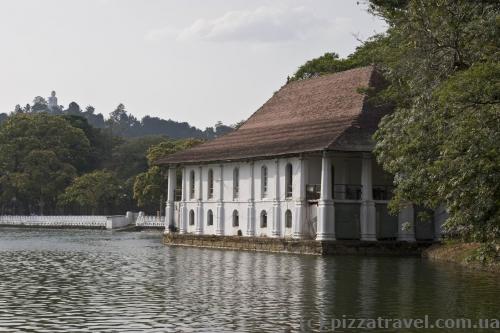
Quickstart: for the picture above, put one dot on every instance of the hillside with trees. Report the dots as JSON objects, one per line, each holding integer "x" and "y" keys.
{"x": 124, "y": 124}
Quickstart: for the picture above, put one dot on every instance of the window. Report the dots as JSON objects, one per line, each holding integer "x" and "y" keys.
{"x": 210, "y": 217}
{"x": 191, "y": 217}
{"x": 263, "y": 219}
{"x": 236, "y": 219}
{"x": 263, "y": 181}
{"x": 288, "y": 219}
{"x": 210, "y": 193}
{"x": 288, "y": 181}
{"x": 236, "y": 183}
{"x": 191, "y": 185}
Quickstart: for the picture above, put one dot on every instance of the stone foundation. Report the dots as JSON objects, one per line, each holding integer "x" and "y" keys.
{"x": 310, "y": 247}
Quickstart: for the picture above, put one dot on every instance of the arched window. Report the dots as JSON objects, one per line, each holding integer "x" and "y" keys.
{"x": 263, "y": 181}
{"x": 210, "y": 217}
{"x": 210, "y": 186}
{"x": 263, "y": 219}
{"x": 288, "y": 181}
{"x": 288, "y": 219}
{"x": 191, "y": 217}
{"x": 236, "y": 219}
{"x": 191, "y": 185}
{"x": 236, "y": 183}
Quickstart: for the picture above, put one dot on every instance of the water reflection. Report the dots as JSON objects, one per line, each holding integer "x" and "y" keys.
{"x": 67, "y": 280}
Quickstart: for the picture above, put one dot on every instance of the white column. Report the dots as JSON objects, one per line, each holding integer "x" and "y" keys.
{"x": 199, "y": 208}
{"x": 170, "y": 209}
{"x": 406, "y": 224}
{"x": 367, "y": 214}
{"x": 251, "y": 204}
{"x": 275, "y": 232}
{"x": 220, "y": 204}
{"x": 299, "y": 218}
{"x": 183, "y": 213}
{"x": 326, "y": 212}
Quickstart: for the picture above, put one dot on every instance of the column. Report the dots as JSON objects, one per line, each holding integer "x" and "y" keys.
{"x": 183, "y": 213}
{"x": 299, "y": 218}
{"x": 199, "y": 207}
{"x": 326, "y": 212}
{"x": 275, "y": 232}
{"x": 406, "y": 224}
{"x": 220, "y": 204}
{"x": 440, "y": 216}
{"x": 170, "y": 209}
{"x": 367, "y": 214}
{"x": 251, "y": 204}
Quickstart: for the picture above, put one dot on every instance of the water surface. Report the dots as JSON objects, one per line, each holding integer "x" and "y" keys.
{"x": 102, "y": 281}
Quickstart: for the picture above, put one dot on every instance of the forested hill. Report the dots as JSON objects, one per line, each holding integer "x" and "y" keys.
{"x": 123, "y": 123}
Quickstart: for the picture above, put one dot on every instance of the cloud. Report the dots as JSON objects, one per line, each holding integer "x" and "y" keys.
{"x": 263, "y": 25}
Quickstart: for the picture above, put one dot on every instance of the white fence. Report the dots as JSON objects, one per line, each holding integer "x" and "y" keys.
{"x": 54, "y": 221}
{"x": 150, "y": 221}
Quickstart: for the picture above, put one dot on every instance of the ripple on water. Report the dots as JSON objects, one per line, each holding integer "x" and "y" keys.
{"x": 87, "y": 281}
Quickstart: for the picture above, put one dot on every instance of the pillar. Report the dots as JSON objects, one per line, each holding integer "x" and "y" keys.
{"x": 406, "y": 224}
{"x": 219, "y": 230}
{"x": 199, "y": 207}
{"x": 299, "y": 218}
{"x": 367, "y": 214}
{"x": 440, "y": 216}
{"x": 183, "y": 209}
{"x": 170, "y": 209}
{"x": 251, "y": 204}
{"x": 275, "y": 232}
{"x": 326, "y": 212}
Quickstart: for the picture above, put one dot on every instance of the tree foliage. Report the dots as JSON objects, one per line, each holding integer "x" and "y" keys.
{"x": 441, "y": 143}
{"x": 150, "y": 187}
{"x": 39, "y": 156}
{"x": 92, "y": 192}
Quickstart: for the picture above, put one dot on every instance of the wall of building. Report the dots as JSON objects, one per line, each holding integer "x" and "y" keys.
{"x": 349, "y": 213}
{"x": 263, "y": 201}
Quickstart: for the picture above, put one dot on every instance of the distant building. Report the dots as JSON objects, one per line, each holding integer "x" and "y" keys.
{"x": 301, "y": 167}
{"x": 52, "y": 101}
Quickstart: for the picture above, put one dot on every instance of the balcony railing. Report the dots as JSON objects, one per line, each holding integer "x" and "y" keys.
{"x": 382, "y": 192}
{"x": 347, "y": 191}
{"x": 341, "y": 191}
{"x": 313, "y": 191}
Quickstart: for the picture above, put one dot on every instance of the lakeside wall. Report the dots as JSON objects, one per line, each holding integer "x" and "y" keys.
{"x": 297, "y": 246}
{"x": 87, "y": 222}
{"x": 131, "y": 219}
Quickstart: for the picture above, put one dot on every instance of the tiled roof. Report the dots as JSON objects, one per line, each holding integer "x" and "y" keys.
{"x": 323, "y": 113}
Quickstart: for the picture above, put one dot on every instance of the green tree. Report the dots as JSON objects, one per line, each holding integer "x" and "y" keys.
{"x": 96, "y": 192}
{"x": 441, "y": 143}
{"x": 150, "y": 187}
{"x": 39, "y": 155}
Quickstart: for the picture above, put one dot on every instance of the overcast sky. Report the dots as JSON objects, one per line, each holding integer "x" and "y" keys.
{"x": 189, "y": 60}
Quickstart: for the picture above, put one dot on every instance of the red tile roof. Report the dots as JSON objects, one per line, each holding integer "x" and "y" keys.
{"x": 323, "y": 113}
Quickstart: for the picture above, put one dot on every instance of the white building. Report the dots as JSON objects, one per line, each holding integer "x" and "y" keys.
{"x": 301, "y": 167}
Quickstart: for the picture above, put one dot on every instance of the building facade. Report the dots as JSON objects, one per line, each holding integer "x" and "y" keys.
{"x": 300, "y": 167}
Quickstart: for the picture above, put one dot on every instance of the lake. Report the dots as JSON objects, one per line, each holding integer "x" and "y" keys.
{"x": 92, "y": 280}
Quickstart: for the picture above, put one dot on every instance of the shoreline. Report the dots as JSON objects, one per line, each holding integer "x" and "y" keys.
{"x": 296, "y": 246}
{"x": 460, "y": 254}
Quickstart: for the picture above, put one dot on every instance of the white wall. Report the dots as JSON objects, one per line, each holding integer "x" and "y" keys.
{"x": 241, "y": 203}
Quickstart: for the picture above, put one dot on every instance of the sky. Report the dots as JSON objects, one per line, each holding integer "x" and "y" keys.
{"x": 198, "y": 61}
